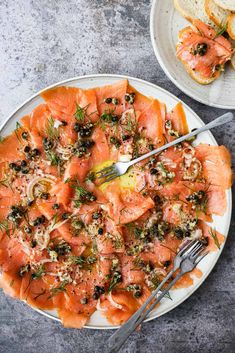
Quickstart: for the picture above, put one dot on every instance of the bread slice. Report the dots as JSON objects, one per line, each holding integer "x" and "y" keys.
{"x": 216, "y": 13}
{"x": 226, "y": 4}
{"x": 201, "y": 79}
{"x": 231, "y": 26}
{"x": 233, "y": 62}
{"x": 192, "y": 9}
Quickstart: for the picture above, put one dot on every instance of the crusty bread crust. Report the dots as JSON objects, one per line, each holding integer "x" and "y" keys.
{"x": 231, "y": 26}
{"x": 192, "y": 9}
{"x": 233, "y": 62}
{"x": 216, "y": 13}
{"x": 226, "y": 4}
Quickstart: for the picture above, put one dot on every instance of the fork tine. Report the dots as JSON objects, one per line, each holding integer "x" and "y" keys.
{"x": 196, "y": 250}
{"x": 104, "y": 170}
{"x": 113, "y": 176}
{"x": 105, "y": 175}
{"x": 186, "y": 246}
{"x": 200, "y": 257}
{"x": 191, "y": 248}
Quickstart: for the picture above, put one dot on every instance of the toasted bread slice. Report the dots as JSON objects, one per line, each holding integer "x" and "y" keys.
{"x": 192, "y": 9}
{"x": 199, "y": 78}
{"x": 216, "y": 13}
{"x": 233, "y": 61}
{"x": 226, "y": 4}
{"x": 202, "y": 53}
{"x": 231, "y": 26}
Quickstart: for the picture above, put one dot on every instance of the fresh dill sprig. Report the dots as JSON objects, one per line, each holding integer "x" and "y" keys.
{"x": 221, "y": 30}
{"x": 81, "y": 194}
{"x": 39, "y": 272}
{"x": 214, "y": 237}
{"x": 18, "y": 126}
{"x": 80, "y": 113}
{"x": 56, "y": 290}
{"x": 4, "y": 227}
{"x": 51, "y": 131}
{"x": 5, "y": 182}
{"x": 116, "y": 278}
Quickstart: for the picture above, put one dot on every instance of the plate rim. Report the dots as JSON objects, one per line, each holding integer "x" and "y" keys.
{"x": 229, "y": 191}
{"x": 161, "y": 62}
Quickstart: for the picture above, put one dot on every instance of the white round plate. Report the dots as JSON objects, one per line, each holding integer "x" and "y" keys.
{"x": 165, "y": 23}
{"x": 97, "y": 321}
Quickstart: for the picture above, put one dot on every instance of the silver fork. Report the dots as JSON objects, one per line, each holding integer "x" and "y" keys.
{"x": 117, "y": 169}
{"x": 186, "y": 260}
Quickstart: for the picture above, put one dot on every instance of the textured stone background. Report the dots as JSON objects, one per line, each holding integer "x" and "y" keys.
{"x": 45, "y": 41}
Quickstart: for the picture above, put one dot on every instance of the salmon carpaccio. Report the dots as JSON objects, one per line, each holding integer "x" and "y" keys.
{"x": 69, "y": 244}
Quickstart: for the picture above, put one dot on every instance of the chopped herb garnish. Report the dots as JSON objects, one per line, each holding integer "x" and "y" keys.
{"x": 51, "y": 131}
{"x": 80, "y": 113}
{"x": 39, "y": 272}
{"x": 221, "y": 30}
{"x": 62, "y": 248}
{"x": 214, "y": 237}
{"x": 56, "y": 290}
{"x": 116, "y": 278}
{"x": 4, "y": 227}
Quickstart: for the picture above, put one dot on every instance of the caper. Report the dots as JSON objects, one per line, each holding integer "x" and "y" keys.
{"x": 108, "y": 100}
{"x": 202, "y": 49}
{"x": 100, "y": 231}
{"x": 96, "y": 215}
{"x": 47, "y": 144}
{"x": 17, "y": 168}
{"x": 115, "y": 101}
{"x": 125, "y": 137}
{"x": 153, "y": 171}
{"x": 77, "y": 127}
{"x": 88, "y": 143}
{"x": 84, "y": 300}
{"x": 29, "y": 203}
{"x": 23, "y": 163}
{"x": 64, "y": 123}
{"x": 35, "y": 152}
{"x": 127, "y": 97}
{"x": 92, "y": 197}
{"x": 44, "y": 195}
{"x": 179, "y": 233}
{"x": 27, "y": 149}
{"x": 12, "y": 166}
{"x": 115, "y": 141}
{"x": 157, "y": 199}
{"x": 115, "y": 118}
{"x": 167, "y": 263}
{"x": 65, "y": 215}
{"x": 137, "y": 294}
{"x": 24, "y": 135}
{"x": 33, "y": 243}
{"x": 56, "y": 206}
{"x": 27, "y": 230}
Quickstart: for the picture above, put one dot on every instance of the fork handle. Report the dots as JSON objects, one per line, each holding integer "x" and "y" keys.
{"x": 223, "y": 119}
{"x": 116, "y": 341}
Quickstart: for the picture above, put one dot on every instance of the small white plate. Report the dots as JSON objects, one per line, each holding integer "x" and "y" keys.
{"x": 165, "y": 23}
{"x": 97, "y": 321}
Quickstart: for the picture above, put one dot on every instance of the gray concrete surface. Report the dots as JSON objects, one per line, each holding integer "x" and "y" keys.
{"x": 45, "y": 41}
